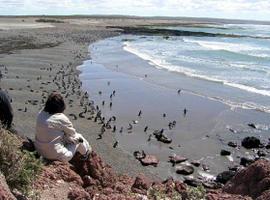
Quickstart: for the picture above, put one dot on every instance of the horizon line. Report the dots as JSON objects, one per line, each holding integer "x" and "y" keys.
{"x": 133, "y": 16}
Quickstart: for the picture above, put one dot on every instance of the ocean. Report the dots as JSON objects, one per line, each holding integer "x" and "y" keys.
{"x": 224, "y": 82}
{"x": 240, "y": 62}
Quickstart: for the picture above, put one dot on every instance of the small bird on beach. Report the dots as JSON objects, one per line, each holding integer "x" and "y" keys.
{"x": 145, "y": 129}
{"x": 110, "y": 104}
{"x": 140, "y": 113}
{"x": 129, "y": 127}
{"x": 179, "y": 91}
{"x": 135, "y": 121}
{"x": 114, "y": 129}
{"x": 149, "y": 138}
{"x": 99, "y": 137}
{"x": 185, "y": 112}
{"x": 103, "y": 103}
{"x": 121, "y": 130}
{"x": 164, "y": 115}
{"x": 115, "y": 144}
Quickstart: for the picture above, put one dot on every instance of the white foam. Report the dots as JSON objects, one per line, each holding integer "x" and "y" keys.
{"x": 162, "y": 64}
{"x": 190, "y": 72}
{"x": 233, "y": 47}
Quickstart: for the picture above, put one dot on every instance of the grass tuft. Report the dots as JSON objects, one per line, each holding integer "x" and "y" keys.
{"x": 19, "y": 167}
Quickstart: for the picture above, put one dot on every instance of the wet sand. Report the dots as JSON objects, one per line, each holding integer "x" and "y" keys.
{"x": 35, "y": 62}
{"x": 198, "y": 135}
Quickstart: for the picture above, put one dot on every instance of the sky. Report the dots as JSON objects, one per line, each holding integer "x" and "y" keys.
{"x": 231, "y": 9}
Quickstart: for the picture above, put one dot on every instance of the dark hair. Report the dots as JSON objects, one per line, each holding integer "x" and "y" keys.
{"x": 55, "y": 104}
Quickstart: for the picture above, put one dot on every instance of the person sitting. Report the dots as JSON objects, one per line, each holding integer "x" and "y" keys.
{"x": 56, "y": 138}
{"x": 6, "y": 112}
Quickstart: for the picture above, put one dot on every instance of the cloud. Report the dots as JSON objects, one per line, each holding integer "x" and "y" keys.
{"x": 212, "y": 8}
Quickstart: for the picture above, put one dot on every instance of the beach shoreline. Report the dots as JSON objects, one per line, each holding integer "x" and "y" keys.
{"x": 36, "y": 56}
{"x": 38, "y": 61}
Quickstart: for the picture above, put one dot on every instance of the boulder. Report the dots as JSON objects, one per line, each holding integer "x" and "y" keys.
{"x": 251, "y": 142}
{"x": 194, "y": 182}
{"x": 196, "y": 163}
{"x": 5, "y": 192}
{"x": 218, "y": 195}
{"x": 160, "y": 136}
{"x": 141, "y": 185}
{"x": 78, "y": 193}
{"x": 261, "y": 153}
{"x": 184, "y": 169}
{"x": 253, "y": 181}
{"x": 177, "y": 159}
{"x": 232, "y": 144}
{"x": 225, "y": 176}
{"x": 150, "y": 160}
{"x": 225, "y": 152}
{"x": 245, "y": 161}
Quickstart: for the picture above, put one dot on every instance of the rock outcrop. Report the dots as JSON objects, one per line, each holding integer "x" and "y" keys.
{"x": 4, "y": 189}
{"x": 253, "y": 181}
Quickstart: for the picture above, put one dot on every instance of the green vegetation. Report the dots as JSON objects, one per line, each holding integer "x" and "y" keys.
{"x": 196, "y": 193}
{"x": 193, "y": 193}
{"x": 49, "y": 21}
{"x": 20, "y": 167}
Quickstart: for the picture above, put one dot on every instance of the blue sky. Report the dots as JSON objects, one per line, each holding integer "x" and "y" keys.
{"x": 233, "y": 9}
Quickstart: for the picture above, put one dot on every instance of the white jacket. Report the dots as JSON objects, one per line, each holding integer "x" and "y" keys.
{"x": 56, "y": 139}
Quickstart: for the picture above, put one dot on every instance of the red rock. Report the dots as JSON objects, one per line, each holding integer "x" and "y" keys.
{"x": 218, "y": 195}
{"x": 78, "y": 194}
{"x": 88, "y": 181}
{"x": 4, "y": 190}
{"x": 264, "y": 196}
{"x": 57, "y": 171}
{"x": 95, "y": 168}
{"x": 141, "y": 185}
{"x": 177, "y": 159}
{"x": 150, "y": 160}
{"x": 252, "y": 181}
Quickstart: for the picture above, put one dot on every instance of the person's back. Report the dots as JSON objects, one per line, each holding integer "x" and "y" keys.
{"x": 6, "y": 112}
{"x": 56, "y": 138}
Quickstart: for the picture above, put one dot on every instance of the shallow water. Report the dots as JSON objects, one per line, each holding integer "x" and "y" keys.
{"x": 200, "y": 135}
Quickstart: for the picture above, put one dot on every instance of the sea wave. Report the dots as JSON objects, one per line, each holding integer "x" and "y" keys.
{"x": 233, "y": 47}
{"x": 162, "y": 64}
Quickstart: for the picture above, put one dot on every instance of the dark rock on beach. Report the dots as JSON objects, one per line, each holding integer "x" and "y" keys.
{"x": 225, "y": 152}
{"x": 251, "y": 142}
{"x": 146, "y": 159}
{"x": 194, "y": 182}
{"x": 150, "y": 160}
{"x": 177, "y": 159}
{"x": 232, "y": 144}
{"x": 245, "y": 161}
{"x": 225, "y": 176}
{"x": 184, "y": 169}
{"x": 160, "y": 136}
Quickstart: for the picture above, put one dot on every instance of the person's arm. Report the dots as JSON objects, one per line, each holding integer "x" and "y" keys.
{"x": 68, "y": 129}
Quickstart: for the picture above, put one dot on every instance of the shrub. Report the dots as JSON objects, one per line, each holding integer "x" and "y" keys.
{"x": 19, "y": 167}
{"x": 49, "y": 21}
{"x": 196, "y": 193}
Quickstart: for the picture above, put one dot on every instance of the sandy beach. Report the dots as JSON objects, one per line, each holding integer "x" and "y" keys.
{"x": 33, "y": 55}
{"x": 38, "y": 58}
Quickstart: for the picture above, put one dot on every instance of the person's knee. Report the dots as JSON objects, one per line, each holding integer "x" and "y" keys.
{"x": 67, "y": 157}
